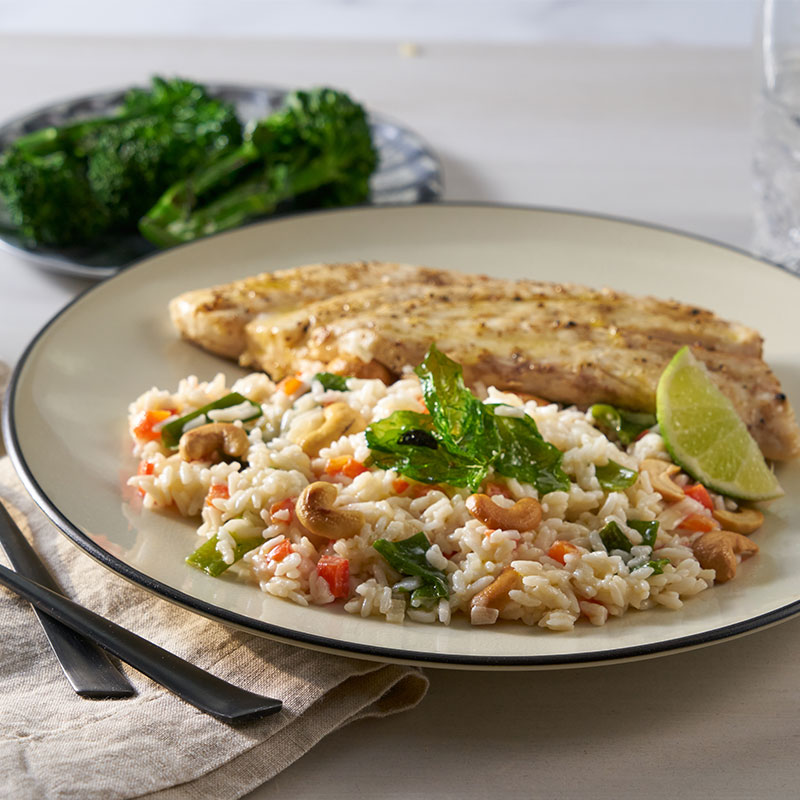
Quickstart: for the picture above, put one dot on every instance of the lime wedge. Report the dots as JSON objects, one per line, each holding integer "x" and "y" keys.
{"x": 706, "y": 437}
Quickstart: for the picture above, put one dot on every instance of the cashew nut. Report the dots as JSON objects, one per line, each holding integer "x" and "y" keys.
{"x": 661, "y": 473}
{"x": 745, "y": 520}
{"x": 314, "y": 509}
{"x": 339, "y": 419}
{"x": 717, "y": 550}
{"x": 524, "y": 515}
{"x": 216, "y": 441}
{"x": 497, "y": 591}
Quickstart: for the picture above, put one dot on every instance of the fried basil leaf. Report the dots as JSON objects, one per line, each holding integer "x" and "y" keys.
{"x": 614, "y": 539}
{"x": 385, "y": 435}
{"x": 408, "y": 558}
{"x": 523, "y": 454}
{"x": 461, "y": 438}
{"x": 648, "y": 529}
{"x": 614, "y": 477}
{"x": 458, "y": 416}
{"x": 430, "y": 466}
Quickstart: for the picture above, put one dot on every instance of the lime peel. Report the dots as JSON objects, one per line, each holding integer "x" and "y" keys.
{"x": 706, "y": 437}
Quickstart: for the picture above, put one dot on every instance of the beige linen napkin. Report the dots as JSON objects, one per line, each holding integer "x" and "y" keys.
{"x": 54, "y": 744}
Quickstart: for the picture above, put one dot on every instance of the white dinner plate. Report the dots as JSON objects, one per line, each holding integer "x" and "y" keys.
{"x": 65, "y": 421}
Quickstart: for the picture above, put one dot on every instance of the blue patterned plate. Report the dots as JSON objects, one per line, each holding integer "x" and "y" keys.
{"x": 408, "y": 171}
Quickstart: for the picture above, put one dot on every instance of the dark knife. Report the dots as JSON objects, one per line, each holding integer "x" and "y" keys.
{"x": 203, "y": 690}
{"x": 85, "y": 665}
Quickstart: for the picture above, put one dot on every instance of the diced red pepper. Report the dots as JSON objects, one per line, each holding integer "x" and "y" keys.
{"x": 282, "y": 505}
{"x": 335, "y": 571}
{"x": 421, "y": 489}
{"x": 399, "y": 485}
{"x": 560, "y": 549}
{"x": 216, "y": 492}
{"x": 280, "y": 551}
{"x": 699, "y": 522}
{"x": 493, "y": 489}
{"x": 145, "y": 468}
{"x": 147, "y": 420}
{"x": 700, "y": 493}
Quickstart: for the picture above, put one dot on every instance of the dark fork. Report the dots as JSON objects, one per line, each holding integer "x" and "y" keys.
{"x": 204, "y": 691}
{"x": 85, "y": 665}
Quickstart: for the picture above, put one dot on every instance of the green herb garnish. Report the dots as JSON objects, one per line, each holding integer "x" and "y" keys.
{"x": 462, "y": 438}
{"x": 408, "y": 558}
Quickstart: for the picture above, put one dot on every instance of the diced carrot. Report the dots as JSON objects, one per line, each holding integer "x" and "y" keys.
{"x": 335, "y": 571}
{"x": 399, "y": 485}
{"x": 560, "y": 549}
{"x": 353, "y": 468}
{"x": 346, "y": 465}
{"x": 147, "y": 420}
{"x": 280, "y": 551}
{"x": 333, "y": 466}
{"x": 216, "y": 492}
{"x": 290, "y": 385}
{"x": 699, "y": 522}
{"x": 700, "y": 493}
{"x": 282, "y": 505}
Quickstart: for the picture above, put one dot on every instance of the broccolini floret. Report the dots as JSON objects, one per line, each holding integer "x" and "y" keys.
{"x": 316, "y": 150}
{"x": 75, "y": 184}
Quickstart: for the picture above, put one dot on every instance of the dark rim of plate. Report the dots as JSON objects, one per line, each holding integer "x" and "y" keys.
{"x": 423, "y": 658}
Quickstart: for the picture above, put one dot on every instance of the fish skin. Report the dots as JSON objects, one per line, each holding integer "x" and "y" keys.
{"x": 215, "y": 318}
{"x": 566, "y": 343}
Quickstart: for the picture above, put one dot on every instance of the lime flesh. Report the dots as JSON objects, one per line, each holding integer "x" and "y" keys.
{"x": 706, "y": 437}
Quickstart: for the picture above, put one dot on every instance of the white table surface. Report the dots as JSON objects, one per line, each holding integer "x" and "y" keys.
{"x": 659, "y": 134}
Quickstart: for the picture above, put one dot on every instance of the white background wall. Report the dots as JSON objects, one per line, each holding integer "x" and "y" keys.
{"x": 702, "y": 22}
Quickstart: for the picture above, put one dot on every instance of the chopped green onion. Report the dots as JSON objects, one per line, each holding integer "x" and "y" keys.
{"x": 625, "y": 425}
{"x": 329, "y": 381}
{"x": 171, "y": 433}
{"x": 210, "y": 560}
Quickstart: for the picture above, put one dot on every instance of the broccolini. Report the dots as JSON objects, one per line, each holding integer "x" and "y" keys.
{"x": 74, "y": 185}
{"x": 314, "y": 151}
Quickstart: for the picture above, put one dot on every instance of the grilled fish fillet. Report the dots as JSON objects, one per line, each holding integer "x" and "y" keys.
{"x": 565, "y": 343}
{"x": 215, "y": 318}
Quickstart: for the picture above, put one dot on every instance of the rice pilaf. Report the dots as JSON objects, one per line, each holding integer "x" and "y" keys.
{"x": 565, "y": 568}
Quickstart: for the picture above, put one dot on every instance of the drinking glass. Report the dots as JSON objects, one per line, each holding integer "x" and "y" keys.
{"x": 777, "y": 134}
